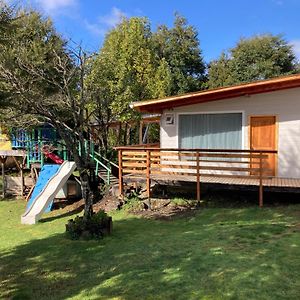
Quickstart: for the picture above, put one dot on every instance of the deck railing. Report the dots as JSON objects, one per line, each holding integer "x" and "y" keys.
{"x": 191, "y": 164}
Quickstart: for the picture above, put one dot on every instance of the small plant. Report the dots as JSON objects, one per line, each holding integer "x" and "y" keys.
{"x": 133, "y": 203}
{"x": 96, "y": 227}
{"x": 183, "y": 202}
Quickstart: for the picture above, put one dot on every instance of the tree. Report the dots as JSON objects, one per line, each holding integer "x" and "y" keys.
{"x": 6, "y": 19}
{"x": 219, "y": 72}
{"x": 43, "y": 80}
{"x": 136, "y": 64}
{"x": 6, "y": 16}
{"x": 180, "y": 48}
{"x": 257, "y": 58}
{"x": 123, "y": 72}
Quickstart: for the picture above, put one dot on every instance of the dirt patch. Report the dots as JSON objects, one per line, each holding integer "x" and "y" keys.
{"x": 161, "y": 209}
{"x": 66, "y": 206}
{"x": 167, "y": 214}
{"x": 107, "y": 203}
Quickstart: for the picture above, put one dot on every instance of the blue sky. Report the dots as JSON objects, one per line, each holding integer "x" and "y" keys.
{"x": 220, "y": 23}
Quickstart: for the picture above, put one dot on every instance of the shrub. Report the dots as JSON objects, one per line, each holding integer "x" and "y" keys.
{"x": 96, "y": 227}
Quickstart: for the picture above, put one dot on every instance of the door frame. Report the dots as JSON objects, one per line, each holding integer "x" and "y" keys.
{"x": 276, "y": 137}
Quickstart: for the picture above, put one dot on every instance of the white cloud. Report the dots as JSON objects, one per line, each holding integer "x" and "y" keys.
{"x": 113, "y": 18}
{"x": 106, "y": 22}
{"x": 296, "y": 47}
{"x": 53, "y": 6}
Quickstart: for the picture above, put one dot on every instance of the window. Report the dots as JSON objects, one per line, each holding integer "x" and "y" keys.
{"x": 210, "y": 131}
{"x": 170, "y": 119}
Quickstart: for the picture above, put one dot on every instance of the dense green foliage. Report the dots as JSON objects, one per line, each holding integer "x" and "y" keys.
{"x": 28, "y": 68}
{"x": 124, "y": 68}
{"x": 256, "y": 58}
{"x": 6, "y": 15}
{"x": 218, "y": 253}
{"x": 136, "y": 64}
{"x": 180, "y": 49}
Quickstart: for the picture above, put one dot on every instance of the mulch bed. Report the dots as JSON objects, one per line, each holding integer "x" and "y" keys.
{"x": 165, "y": 211}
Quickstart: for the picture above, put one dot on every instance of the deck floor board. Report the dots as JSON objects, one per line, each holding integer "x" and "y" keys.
{"x": 272, "y": 182}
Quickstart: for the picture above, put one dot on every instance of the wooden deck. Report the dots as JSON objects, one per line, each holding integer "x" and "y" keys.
{"x": 232, "y": 169}
{"x": 275, "y": 182}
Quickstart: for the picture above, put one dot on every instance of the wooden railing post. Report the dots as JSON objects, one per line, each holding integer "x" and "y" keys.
{"x": 22, "y": 180}
{"x": 2, "y": 159}
{"x": 148, "y": 180}
{"x": 121, "y": 192}
{"x": 198, "y": 175}
{"x": 261, "y": 179}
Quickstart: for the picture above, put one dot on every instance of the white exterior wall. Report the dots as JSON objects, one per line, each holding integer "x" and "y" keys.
{"x": 285, "y": 105}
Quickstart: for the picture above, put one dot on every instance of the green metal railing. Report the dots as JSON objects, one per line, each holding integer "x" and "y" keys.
{"x": 99, "y": 159}
{"x": 100, "y": 163}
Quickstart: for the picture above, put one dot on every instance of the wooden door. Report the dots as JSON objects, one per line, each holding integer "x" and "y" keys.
{"x": 263, "y": 137}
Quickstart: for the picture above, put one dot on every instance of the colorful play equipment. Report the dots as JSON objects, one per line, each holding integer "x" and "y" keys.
{"x": 52, "y": 180}
{"x": 47, "y": 150}
{"x": 35, "y": 140}
{"x": 41, "y": 143}
{"x": 5, "y": 142}
{"x": 43, "y": 152}
{"x": 46, "y": 173}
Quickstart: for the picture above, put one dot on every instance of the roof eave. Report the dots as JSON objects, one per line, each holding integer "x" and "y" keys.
{"x": 157, "y": 106}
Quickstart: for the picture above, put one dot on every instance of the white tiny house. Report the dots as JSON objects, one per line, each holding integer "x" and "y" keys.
{"x": 246, "y": 136}
{"x": 261, "y": 115}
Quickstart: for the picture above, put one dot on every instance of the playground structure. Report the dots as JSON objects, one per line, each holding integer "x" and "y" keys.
{"x": 41, "y": 143}
{"x": 42, "y": 152}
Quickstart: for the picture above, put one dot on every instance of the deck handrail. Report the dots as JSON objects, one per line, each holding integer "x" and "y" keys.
{"x": 106, "y": 159}
{"x": 196, "y": 149}
{"x": 144, "y": 162}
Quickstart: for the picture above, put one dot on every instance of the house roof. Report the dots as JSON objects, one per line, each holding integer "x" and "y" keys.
{"x": 257, "y": 87}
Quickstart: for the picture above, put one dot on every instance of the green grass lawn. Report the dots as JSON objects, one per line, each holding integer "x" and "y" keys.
{"x": 220, "y": 253}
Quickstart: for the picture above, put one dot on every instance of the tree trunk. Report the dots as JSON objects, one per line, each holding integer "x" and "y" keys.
{"x": 86, "y": 194}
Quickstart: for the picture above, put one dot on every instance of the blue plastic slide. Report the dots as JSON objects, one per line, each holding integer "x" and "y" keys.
{"x": 47, "y": 172}
{"x": 52, "y": 178}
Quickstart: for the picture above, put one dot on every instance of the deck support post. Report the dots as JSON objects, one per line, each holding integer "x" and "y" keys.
{"x": 198, "y": 176}
{"x": 141, "y": 132}
{"x": 22, "y": 181}
{"x": 121, "y": 192}
{"x": 3, "y": 178}
{"x": 19, "y": 166}
{"x": 3, "y": 160}
{"x": 148, "y": 180}
{"x": 261, "y": 203}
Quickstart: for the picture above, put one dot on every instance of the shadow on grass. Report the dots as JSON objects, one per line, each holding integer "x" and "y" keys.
{"x": 75, "y": 211}
{"x": 214, "y": 256}
{"x": 9, "y": 198}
